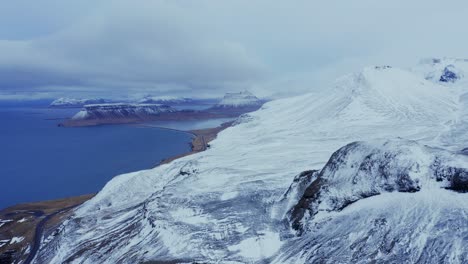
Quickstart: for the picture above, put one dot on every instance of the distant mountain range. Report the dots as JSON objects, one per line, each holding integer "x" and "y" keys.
{"x": 240, "y": 99}
{"x": 121, "y": 110}
{"x": 168, "y": 100}
{"x": 76, "y": 103}
{"x": 232, "y": 105}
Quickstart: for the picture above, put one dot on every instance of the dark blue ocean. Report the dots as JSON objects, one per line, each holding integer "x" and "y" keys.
{"x": 41, "y": 161}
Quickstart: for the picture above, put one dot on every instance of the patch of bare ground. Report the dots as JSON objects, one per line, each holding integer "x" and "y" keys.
{"x": 20, "y": 222}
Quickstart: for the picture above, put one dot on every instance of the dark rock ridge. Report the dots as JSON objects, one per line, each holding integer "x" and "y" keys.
{"x": 449, "y": 74}
{"x": 360, "y": 170}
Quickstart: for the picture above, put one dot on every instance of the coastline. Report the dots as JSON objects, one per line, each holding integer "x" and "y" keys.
{"x": 200, "y": 141}
{"x": 172, "y": 116}
{"x": 36, "y": 219}
{"x": 179, "y": 115}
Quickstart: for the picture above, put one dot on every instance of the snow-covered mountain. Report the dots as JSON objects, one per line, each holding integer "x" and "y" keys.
{"x": 286, "y": 184}
{"x": 385, "y": 201}
{"x": 76, "y": 103}
{"x": 120, "y": 110}
{"x": 167, "y": 100}
{"x": 240, "y": 99}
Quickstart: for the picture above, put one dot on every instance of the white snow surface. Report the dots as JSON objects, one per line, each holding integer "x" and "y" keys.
{"x": 222, "y": 204}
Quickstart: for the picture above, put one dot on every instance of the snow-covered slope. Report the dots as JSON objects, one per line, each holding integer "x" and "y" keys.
{"x": 364, "y": 169}
{"x": 120, "y": 110}
{"x": 446, "y": 71}
{"x": 72, "y": 103}
{"x": 167, "y": 100}
{"x": 452, "y": 73}
{"x": 240, "y": 99}
{"x": 351, "y": 212}
{"x": 227, "y": 203}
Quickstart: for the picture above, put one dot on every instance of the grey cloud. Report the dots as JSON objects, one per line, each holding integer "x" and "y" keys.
{"x": 118, "y": 50}
{"x": 206, "y": 46}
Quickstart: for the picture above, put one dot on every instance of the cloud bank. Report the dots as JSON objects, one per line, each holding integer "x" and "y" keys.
{"x": 203, "y": 48}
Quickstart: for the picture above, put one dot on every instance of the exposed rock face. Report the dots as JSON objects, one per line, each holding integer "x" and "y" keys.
{"x": 447, "y": 70}
{"x": 449, "y": 74}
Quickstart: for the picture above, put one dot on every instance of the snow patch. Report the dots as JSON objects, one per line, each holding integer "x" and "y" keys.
{"x": 229, "y": 195}
{"x": 265, "y": 244}
{"x": 189, "y": 215}
{"x": 15, "y": 240}
{"x": 3, "y": 222}
{"x": 4, "y": 242}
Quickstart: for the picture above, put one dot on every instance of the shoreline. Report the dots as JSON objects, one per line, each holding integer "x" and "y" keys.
{"x": 200, "y": 141}
{"x": 178, "y": 115}
{"x": 33, "y": 220}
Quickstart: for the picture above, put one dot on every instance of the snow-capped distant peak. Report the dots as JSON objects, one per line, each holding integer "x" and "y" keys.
{"x": 71, "y": 102}
{"x": 120, "y": 110}
{"x": 164, "y": 100}
{"x": 239, "y": 99}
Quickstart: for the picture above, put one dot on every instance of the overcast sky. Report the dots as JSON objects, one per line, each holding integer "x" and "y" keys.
{"x": 110, "y": 48}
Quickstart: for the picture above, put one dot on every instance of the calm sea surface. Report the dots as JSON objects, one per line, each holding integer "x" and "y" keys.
{"x": 40, "y": 161}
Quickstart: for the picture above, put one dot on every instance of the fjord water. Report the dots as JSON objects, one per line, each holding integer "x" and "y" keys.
{"x": 41, "y": 161}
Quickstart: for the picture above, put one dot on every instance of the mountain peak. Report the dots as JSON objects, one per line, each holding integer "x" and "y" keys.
{"x": 64, "y": 102}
